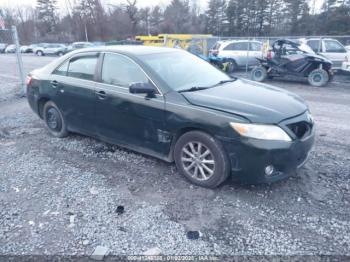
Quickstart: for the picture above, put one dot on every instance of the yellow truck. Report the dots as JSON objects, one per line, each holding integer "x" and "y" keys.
{"x": 184, "y": 41}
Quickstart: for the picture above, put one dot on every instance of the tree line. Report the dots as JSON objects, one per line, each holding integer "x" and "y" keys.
{"x": 88, "y": 19}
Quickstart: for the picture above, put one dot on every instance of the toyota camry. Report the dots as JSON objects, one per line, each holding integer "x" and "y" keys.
{"x": 172, "y": 105}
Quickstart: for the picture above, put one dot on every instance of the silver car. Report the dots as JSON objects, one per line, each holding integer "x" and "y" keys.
{"x": 239, "y": 53}
{"x": 331, "y": 49}
{"x": 51, "y": 49}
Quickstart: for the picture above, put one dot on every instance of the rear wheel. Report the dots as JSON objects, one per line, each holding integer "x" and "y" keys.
{"x": 201, "y": 159}
{"x": 60, "y": 53}
{"x": 54, "y": 120}
{"x": 259, "y": 74}
{"x": 318, "y": 77}
{"x": 39, "y": 53}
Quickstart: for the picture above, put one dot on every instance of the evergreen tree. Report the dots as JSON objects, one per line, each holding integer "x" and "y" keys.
{"x": 216, "y": 16}
{"x": 177, "y": 17}
{"x": 47, "y": 16}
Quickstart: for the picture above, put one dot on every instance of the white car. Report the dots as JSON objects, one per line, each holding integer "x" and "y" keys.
{"x": 10, "y": 49}
{"x": 238, "y": 52}
{"x": 50, "y": 49}
{"x": 25, "y": 49}
{"x": 331, "y": 49}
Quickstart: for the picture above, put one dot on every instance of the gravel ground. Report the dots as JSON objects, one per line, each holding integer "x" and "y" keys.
{"x": 60, "y": 196}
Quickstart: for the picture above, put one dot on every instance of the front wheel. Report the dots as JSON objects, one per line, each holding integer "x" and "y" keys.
{"x": 201, "y": 159}
{"x": 259, "y": 74}
{"x": 231, "y": 66}
{"x": 54, "y": 120}
{"x": 318, "y": 77}
{"x": 39, "y": 53}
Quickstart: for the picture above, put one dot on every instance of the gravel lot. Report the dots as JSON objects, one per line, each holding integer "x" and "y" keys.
{"x": 60, "y": 196}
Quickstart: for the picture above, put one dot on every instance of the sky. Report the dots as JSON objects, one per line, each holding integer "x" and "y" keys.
{"x": 141, "y": 3}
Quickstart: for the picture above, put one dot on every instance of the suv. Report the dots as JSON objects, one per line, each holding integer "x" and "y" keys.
{"x": 79, "y": 45}
{"x": 51, "y": 49}
{"x": 238, "y": 53}
{"x": 331, "y": 49}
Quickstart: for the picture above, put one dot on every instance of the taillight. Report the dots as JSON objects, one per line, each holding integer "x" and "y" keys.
{"x": 29, "y": 80}
{"x": 269, "y": 54}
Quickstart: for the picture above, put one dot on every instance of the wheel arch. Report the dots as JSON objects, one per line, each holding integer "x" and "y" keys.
{"x": 179, "y": 133}
{"x": 41, "y": 102}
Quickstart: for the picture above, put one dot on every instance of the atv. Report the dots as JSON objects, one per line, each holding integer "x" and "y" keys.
{"x": 291, "y": 59}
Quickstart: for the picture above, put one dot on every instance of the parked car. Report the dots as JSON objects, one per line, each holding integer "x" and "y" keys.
{"x": 10, "y": 49}
{"x": 51, "y": 49}
{"x": 238, "y": 53}
{"x": 79, "y": 45}
{"x": 25, "y": 49}
{"x": 290, "y": 58}
{"x": 32, "y": 47}
{"x": 331, "y": 49}
{"x": 2, "y": 47}
{"x": 175, "y": 106}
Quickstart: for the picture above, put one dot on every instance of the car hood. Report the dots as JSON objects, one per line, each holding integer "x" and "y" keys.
{"x": 259, "y": 103}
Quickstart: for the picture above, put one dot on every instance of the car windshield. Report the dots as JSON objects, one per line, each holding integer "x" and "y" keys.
{"x": 182, "y": 70}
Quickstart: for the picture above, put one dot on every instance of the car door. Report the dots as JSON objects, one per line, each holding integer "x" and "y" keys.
{"x": 133, "y": 120}
{"x": 335, "y": 52}
{"x": 74, "y": 91}
{"x": 48, "y": 50}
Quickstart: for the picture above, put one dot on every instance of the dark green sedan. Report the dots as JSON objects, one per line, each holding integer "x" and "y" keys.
{"x": 172, "y": 105}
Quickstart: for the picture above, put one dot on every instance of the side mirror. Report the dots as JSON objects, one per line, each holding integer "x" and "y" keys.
{"x": 142, "y": 88}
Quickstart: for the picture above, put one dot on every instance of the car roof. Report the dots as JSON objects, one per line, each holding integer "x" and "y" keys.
{"x": 307, "y": 39}
{"x": 239, "y": 41}
{"x": 133, "y": 50}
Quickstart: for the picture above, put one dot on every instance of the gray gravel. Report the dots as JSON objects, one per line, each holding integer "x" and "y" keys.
{"x": 59, "y": 196}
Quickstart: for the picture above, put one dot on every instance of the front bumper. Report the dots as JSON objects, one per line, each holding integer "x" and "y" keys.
{"x": 346, "y": 66}
{"x": 249, "y": 158}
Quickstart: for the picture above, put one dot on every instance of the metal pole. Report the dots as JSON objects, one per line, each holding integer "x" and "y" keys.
{"x": 86, "y": 34}
{"x": 19, "y": 61}
{"x": 247, "y": 63}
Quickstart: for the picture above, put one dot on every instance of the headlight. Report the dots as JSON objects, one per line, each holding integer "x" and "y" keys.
{"x": 265, "y": 132}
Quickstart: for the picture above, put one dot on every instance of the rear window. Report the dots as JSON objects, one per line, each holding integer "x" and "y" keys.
{"x": 83, "y": 67}
{"x": 255, "y": 46}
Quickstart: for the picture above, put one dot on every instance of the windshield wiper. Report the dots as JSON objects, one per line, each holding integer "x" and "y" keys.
{"x": 225, "y": 81}
{"x": 198, "y": 88}
{"x": 194, "y": 88}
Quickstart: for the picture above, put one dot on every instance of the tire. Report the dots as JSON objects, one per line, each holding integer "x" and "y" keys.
{"x": 318, "y": 77}
{"x": 54, "y": 120}
{"x": 231, "y": 66}
{"x": 188, "y": 160}
{"x": 39, "y": 53}
{"x": 259, "y": 74}
{"x": 60, "y": 53}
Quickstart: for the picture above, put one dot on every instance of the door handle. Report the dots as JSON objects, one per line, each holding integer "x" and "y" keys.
{"x": 101, "y": 95}
{"x": 54, "y": 84}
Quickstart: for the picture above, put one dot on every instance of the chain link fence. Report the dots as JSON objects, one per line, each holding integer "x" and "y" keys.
{"x": 9, "y": 43}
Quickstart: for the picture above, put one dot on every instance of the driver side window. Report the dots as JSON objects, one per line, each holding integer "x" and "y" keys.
{"x": 121, "y": 71}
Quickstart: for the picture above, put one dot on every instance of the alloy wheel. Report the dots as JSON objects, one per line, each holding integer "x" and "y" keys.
{"x": 198, "y": 161}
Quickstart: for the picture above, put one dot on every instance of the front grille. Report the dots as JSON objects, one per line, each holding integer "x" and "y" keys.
{"x": 301, "y": 129}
